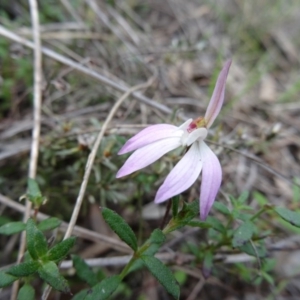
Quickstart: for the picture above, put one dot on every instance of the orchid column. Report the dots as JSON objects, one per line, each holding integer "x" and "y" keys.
{"x": 154, "y": 141}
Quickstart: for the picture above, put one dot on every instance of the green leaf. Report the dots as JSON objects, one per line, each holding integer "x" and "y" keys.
{"x": 157, "y": 238}
{"x": 243, "y": 197}
{"x": 267, "y": 277}
{"x": 26, "y": 292}
{"x": 81, "y": 295}
{"x": 12, "y": 228}
{"x": 6, "y": 279}
{"x": 162, "y": 274}
{"x": 33, "y": 189}
{"x": 243, "y": 234}
{"x": 216, "y": 224}
{"x": 233, "y": 200}
{"x": 36, "y": 241}
{"x": 207, "y": 264}
{"x": 290, "y": 216}
{"x": 181, "y": 277}
{"x": 104, "y": 289}
{"x": 34, "y": 194}
{"x": 24, "y": 269}
{"x": 189, "y": 211}
{"x": 50, "y": 273}
{"x": 260, "y": 198}
{"x": 84, "y": 272}
{"x": 120, "y": 227}
{"x": 4, "y": 220}
{"x": 222, "y": 208}
{"x": 60, "y": 250}
{"x": 49, "y": 224}
{"x": 258, "y": 251}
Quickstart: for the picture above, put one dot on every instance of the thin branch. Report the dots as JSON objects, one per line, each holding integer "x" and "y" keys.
{"x": 90, "y": 162}
{"x": 37, "y": 100}
{"x": 76, "y": 66}
{"x": 37, "y": 95}
{"x": 196, "y": 290}
{"x": 123, "y": 260}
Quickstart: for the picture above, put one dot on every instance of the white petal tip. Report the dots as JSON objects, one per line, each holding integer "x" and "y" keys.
{"x": 159, "y": 199}
{"x": 203, "y": 217}
{"x": 118, "y": 175}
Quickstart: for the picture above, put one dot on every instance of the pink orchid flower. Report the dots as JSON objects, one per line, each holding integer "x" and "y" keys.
{"x": 154, "y": 141}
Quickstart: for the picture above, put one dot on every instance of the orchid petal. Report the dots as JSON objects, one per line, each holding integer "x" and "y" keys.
{"x": 199, "y": 133}
{"x": 211, "y": 180}
{"x": 183, "y": 175}
{"x": 146, "y": 155}
{"x": 147, "y": 136}
{"x": 217, "y": 98}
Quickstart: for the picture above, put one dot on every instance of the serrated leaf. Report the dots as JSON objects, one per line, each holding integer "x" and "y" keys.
{"x": 157, "y": 237}
{"x": 36, "y": 241}
{"x": 6, "y": 279}
{"x": 222, "y": 208}
{"x": 259, "y": 251}
{"x": 81, "y": 295}
{"x": 290, "y": 216}
{"x": 60, "y": 250}
{"x": 50, "y": 273}
{"x": 163, "y": 274}
{"x": 243, "y": 234}
{"x": 24, "y": 269}
{"x": 104, "y": 289}
{"x": 84, "y": 272}
{"x": 120, "y": 227}
{"x": 215, "y": 224}
{"x": 26, "y": 292}
{"x": 12, "y": 228}
{"x": 49, "y": 224}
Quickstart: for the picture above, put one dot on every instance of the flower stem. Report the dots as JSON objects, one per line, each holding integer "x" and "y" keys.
{"x": 164, "y": 220}
{"x": 127, "y": 267}
{"x": 261, "y": 211}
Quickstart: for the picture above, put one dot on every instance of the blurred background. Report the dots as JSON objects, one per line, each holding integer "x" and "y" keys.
{"x": 183, "y": 45}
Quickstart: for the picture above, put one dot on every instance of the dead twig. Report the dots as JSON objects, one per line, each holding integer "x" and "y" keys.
{"x": 123, "y": 260}
{"x": 37, "y": 96}
{"x": 76, "y": 66}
